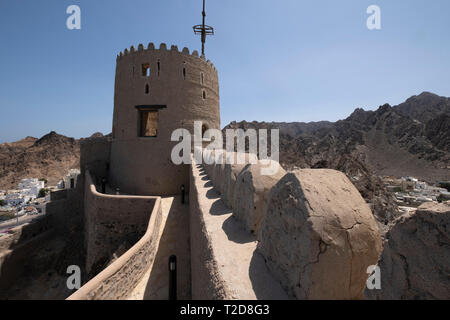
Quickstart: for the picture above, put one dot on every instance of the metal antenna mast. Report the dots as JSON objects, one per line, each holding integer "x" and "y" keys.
{"x": 203, "y": 29}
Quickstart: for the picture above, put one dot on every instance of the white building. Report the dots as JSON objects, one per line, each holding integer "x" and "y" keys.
{"x": 17, "y": 198}
{"x": 70, "y": 179}
{"x": 28, "y": 190}
{"x": 31, "y": 187}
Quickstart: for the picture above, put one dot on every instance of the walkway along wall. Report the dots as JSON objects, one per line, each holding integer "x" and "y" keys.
{"x": 122, "y": 276}
{"x": 112, "y": 221}
{"x": 317, "y": 236}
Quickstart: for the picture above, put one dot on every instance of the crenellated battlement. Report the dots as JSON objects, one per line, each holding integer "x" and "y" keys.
{"x": 163, "y": 49}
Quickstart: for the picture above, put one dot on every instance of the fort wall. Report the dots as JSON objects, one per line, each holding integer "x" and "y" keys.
{"x": 224, "y": 261}
{"x": 309, "y": 220}
{"x": 112, "y": 221}
{"x": 95, "y": 156}
{"x": 229, "y": 262}
{"x": 122, "y": 276}
{"x": 318, "y": 235}
{"x": 65, "y": 210}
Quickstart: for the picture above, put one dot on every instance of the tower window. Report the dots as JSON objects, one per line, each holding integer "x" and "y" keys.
{"x": 184, "y": 73}
{"x": 204, "y": 94}
{"x": 202, "y": 76}
{"x": 147, "y": 89}
{"x": 159, "y": 67}
{"x": 146, "y": 70}
{"x": 148, "y": 116}
{"x": 149, "y": 123}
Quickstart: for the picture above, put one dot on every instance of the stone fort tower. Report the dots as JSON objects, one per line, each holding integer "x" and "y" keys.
{"x": 156, "y": 92}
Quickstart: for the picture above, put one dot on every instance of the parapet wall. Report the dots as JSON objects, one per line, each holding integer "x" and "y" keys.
{"x": 163, "y": 49}
{"x": 122, "y": 276}
{"x": 111, "y": 222}
{"x": 224, "y": 263}
{"x": 95, "y": 157}
{"x": 315, "y": 231}
{"x": 318, "y": 235}
{"x": 65, "y": 210}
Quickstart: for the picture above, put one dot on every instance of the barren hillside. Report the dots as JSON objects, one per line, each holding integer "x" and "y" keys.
{"x": 368, "y": 144}
{"x": 49, "y": 157}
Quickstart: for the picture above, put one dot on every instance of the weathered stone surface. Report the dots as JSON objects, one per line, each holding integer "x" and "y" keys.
{"x": 208, "y": 156}
{"x": 218, "y": 176}
{"x": 318, "y": 235}
{"x": 415, "y": 263}
{"x": 230, "y": 174}
{"x": 252, "y": 192}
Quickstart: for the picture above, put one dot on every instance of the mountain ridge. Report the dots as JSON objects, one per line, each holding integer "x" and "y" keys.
{"x": 368, "y": 144}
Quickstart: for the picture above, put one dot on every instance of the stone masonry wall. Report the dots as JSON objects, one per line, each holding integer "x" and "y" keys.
{"x": 122, "y": 276}
{"x": 112, "y": 221}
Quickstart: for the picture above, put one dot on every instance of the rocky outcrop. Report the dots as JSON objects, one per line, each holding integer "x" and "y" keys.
{"x": 318, "y": 235}
{"x": 49, "y": 157}
{"x": 252, "y": 193}
{"x": 415, "y": 263}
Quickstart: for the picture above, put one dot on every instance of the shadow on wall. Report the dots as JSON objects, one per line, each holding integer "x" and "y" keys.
{"x": 204, "y": 177}
{"x": 264, "y": 286}
{"x": 208, "y": 184}
{"x": 212, "y": 194}
{"x": 235, "y": 231}
{"x": 218, "y": 208}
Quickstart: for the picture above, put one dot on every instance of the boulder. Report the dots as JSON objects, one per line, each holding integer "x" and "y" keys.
{"x": 415, "y": 263}
{"x": 318, "y": 235}
{"x": 251, "y": 193}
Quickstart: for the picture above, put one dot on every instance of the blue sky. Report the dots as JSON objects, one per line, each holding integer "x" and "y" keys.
{"x": 278, "y": 60}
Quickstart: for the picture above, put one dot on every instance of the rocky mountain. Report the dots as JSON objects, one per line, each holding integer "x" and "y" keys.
{"x": 424, "y": 107}
{"x": 411, "y": 139}
{"x": 49, "y": 157}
